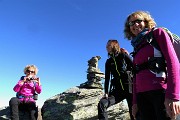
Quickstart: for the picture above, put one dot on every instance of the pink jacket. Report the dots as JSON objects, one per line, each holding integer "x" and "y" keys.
{"x": 146, "y": 80}
{"x": 27, "y": 89}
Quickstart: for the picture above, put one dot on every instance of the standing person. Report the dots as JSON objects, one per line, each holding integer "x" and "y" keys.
{"x": 26, "y": 88}
{"x": 156, "y": 86}
{"x": 115, "y": 69}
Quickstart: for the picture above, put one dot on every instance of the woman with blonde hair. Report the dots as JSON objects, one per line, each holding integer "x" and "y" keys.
{"x": 156, "y": 92}
{"x": 26, "y": 89}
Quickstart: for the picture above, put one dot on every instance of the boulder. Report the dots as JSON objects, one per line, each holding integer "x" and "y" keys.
{"x": 80, "y": 104}
{"x": 5, "y": 114}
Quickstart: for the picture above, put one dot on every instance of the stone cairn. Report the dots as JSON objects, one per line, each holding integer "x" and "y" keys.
{"x": 94, "y": 75}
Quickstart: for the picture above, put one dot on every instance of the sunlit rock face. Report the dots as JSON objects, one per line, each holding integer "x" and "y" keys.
{"x": 80, "y": 104}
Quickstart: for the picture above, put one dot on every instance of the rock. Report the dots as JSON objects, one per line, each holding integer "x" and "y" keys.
{"x": 74, "y": 104}
{"x": 91, "y": 85}
{"x": 5, "y": 114}
{"x": 94, "y": 61}
{"x": 80, "y": 104}
{"x": 94, "y": 75}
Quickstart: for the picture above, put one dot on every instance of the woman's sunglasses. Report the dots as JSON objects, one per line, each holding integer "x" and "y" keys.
{"x": 135, "y": 21}
{"x": 29, "y": 71}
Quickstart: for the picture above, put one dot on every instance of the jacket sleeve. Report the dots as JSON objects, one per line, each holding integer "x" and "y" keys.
{"x": 173, "y": 66}
{"x": 38, "y": 88}
{"x": 107, "y": 76}
{"x": 18, "y": 86}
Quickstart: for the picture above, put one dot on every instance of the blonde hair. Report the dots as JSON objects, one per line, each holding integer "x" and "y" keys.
{"x": 114, "y": 46}
{"x": 31, "y": 67}
{"x": 149, "y": 23}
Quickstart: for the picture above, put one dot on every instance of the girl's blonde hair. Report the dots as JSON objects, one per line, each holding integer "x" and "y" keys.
{"x": 31, "y": 67}
{"x": 149, "y": 23}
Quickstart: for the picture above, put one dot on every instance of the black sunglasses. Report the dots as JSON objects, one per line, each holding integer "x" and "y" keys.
{"x": 135, "y": 21}
{"x": 30, "y": 71}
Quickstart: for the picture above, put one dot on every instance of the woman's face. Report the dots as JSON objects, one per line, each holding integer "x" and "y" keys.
{"x": 109, "y": 48}
{"x": 136, "y": 24}
{"x": 30, "y": 72}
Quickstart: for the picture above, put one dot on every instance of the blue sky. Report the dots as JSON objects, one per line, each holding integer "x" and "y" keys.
{"x": 60, "y": 36}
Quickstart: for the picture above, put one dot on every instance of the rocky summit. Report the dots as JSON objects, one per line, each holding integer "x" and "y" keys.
{"x": 75, "y": 104}
{"x": 80, "y": 104}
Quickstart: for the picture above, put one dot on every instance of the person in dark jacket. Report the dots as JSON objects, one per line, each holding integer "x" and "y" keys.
{"x": 116, "y": 68}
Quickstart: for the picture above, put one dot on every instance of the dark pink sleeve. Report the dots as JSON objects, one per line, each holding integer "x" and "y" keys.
{"x": 17, "y": 86}
{"x": 38, "y": 88}
{"x": 173, "y": 66}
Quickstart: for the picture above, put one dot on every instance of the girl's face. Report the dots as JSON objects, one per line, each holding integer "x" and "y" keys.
{"x": 109, "y": 48}
{"x": 136, "y": 24}
{"x": 30, "y": 72}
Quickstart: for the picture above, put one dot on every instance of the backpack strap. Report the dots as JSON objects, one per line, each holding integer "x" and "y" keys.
{"x": 17, "y": 94}
{"x": 152, "y": 39}
{"x": 156, "y": 64}
{"x": 34, "y": 85}
{"x": 35, "y": 96}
